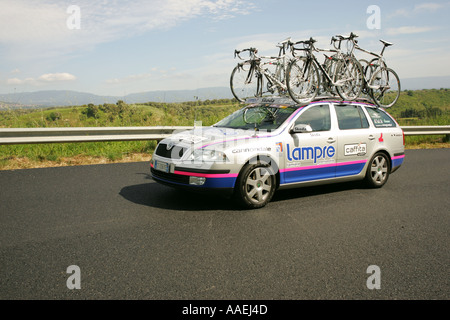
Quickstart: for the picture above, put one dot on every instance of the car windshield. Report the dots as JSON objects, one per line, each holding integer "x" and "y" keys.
{"x": 257, "y": 116}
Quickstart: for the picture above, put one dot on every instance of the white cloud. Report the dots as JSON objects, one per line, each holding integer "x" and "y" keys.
{"x": 56, "y": 77}
{"x": 408, "y": 30}
{"x": 36, "y": 29}
{"x": 419, "y": 9}
{"x": 43, "y": 79}
{"x": 17, "y": 81}
{"x": 429, "y": 6}
{"x": 400, "y": 12}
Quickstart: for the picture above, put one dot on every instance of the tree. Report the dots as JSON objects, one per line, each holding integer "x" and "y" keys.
{"x": 91, "y": 111}
{"x": 53, "y": 116}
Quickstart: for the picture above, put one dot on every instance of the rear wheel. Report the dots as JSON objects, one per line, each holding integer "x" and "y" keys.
{"x": 256, "y": 185}
{"x": 385, "y": 87}
{"x": 378, "y": 170}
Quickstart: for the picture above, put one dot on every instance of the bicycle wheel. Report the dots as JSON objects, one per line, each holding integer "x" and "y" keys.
{"x": 302, "y": 80}
{"x": 245, "y": 82}
{"x": 349, "y": 79}
{"x": 385, "y": 87}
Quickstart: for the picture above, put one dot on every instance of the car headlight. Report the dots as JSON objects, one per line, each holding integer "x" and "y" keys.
{"x": 208, "y": 155}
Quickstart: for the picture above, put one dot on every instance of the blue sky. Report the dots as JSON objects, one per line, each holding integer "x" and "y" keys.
{"x": 124, "y": 47}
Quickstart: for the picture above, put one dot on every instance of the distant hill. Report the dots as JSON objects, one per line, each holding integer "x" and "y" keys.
{"x": 425, "y": 83}
{"x": 74, "y": 98}
{"x": 53, "y": 98}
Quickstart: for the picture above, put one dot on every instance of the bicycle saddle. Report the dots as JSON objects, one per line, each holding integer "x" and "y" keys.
{"x": 387, "y": 44}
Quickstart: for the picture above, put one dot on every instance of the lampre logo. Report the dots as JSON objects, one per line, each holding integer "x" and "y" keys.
{"x": 310, "y": 153}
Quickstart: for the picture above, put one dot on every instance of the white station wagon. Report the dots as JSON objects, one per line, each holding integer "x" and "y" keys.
{"x": 273, "y": 143}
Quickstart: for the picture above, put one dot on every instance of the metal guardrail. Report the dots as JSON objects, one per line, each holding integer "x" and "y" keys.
{"x": 84, "y": 134}
{"x": 425, "y": 130}
{"x": 10, "y": 136}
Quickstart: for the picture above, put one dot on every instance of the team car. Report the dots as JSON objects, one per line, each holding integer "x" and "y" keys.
{"x": 272, "y": 144}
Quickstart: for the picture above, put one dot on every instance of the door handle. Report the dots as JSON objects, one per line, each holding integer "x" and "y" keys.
{"x": 331, "y": 140}
{"x": 371, "y": 137}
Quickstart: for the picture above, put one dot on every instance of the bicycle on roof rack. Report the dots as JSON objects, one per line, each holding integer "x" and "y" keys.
{"x": 330, "y": 63}
{"x": 303, "y": 79}
{"x": 247, "y": 78}
{"x": 381, "y": 83}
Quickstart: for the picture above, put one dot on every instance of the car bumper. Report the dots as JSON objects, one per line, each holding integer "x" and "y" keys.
{"x": 397, "y": 161}
{"x": 205, "y": 181}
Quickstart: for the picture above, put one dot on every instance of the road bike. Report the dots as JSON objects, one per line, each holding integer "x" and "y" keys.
{"x": 247, "y": 78}
{"x": 303, "y": 79}
{"x": 381, "y": 83}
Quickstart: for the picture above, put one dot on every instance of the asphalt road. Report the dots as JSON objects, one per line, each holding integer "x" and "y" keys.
{"x": 135, "y": 239}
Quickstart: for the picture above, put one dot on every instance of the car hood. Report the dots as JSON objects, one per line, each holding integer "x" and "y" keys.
{"x": 214, "y": 137}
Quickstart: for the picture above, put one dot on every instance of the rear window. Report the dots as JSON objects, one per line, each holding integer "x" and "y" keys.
{"x": 380, "y": 118}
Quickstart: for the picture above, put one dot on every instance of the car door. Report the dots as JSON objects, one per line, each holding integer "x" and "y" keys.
{"x": 355, "y": 141}
{"x": 310, "y": 152}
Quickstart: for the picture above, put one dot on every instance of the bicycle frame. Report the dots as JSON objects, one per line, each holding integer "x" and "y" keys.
{"x": 311, "y": 58}
{"x": 275, "y": 79}
{"x": 380, "y": 59}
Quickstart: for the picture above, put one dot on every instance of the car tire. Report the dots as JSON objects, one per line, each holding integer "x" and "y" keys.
{"x": 378, "y": 170}
{"x": 255, "y": 185}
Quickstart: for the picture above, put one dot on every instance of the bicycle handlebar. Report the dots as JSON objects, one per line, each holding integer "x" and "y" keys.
{"x": 283, "y": 46}
{"x": 309, "y": 43}
{"x": 252, "y": 50}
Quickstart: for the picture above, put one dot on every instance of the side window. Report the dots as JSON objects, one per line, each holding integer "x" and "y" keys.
{"x": 351, "y": 117}
{"x": 318, "y": 117}
{"x": 380, "y": 118}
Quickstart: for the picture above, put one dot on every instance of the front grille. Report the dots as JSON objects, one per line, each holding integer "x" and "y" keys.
{"x": 177, "y": 178}
{"x": 176, "y": 152}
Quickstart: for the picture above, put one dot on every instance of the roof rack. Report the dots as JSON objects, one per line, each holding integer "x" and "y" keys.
{"x": 271, "y": 100}
{"x": 289, "y": 101}
{"x": 338, "y": 98}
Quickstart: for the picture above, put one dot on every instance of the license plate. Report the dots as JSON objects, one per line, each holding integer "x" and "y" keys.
{"x": 161, "y": 166}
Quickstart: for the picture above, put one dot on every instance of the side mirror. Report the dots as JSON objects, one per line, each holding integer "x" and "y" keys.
{"x": 301, "y": 128}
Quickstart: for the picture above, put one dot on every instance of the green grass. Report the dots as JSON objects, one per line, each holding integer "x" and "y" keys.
{"x": 56, "y": 151}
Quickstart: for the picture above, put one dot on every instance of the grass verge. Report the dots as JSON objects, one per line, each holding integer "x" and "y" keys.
{"x": 138, "y": 152}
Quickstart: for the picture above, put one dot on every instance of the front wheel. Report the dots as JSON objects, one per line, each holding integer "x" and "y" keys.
{"x": 385, "y": 87}
{"x": 256, "y": 185}
{"x": 349, "y": 79}
{"x": 367, "y": 71}
{"x": 378, "y": 170}
{"x": 302, "y": 80}
{"x": 245, "y": 82}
